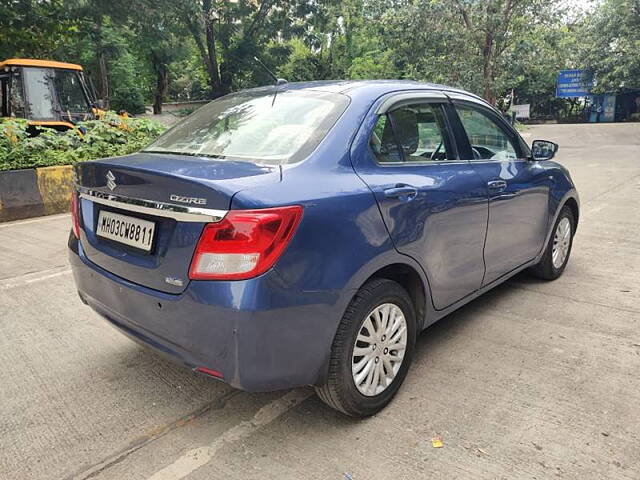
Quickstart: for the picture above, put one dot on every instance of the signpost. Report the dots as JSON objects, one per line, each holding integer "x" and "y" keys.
{"x": 574, "y": 84}
{"x": 522, "y": 111}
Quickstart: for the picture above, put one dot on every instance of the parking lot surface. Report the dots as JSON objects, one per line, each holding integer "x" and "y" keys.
{"x": 532, "y": 380}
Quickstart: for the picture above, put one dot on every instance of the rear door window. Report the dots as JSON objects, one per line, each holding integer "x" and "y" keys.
{"x": 412, "y": 133}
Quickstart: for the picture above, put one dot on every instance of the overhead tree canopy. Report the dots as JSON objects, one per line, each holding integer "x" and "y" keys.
{"x": 151, "y": 51}
{"x": 610, "y": 45}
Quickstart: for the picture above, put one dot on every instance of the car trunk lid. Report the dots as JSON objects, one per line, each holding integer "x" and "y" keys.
{"x": 173, "y": 195}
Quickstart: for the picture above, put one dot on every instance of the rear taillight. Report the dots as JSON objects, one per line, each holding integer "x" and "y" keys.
{"x": 75, "y": 214}
{"x": 246, "y": 243}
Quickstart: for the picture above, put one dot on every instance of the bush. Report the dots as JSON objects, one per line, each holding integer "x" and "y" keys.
{"x": 108, "y": 137}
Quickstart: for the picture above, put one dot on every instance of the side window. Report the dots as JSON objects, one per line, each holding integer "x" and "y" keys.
{"x": 16, "y": 98}
{"x": 488, "y": 140}
{"x": 3, "y": 83}
{"x": 383, "y": 142}
{"x": 413, "y": 133}
{"x": 70, "y": 92}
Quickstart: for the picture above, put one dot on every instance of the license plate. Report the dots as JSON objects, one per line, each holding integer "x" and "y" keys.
{"x": 131, "y": 231}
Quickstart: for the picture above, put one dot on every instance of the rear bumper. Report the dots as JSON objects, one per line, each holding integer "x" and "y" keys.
{"x": 260, "y": 334}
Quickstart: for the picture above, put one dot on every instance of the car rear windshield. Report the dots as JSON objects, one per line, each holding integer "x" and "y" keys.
{"x": 262, "y": 126}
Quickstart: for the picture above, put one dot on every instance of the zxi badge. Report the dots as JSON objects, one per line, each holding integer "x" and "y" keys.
{"x": 111, "y": 180}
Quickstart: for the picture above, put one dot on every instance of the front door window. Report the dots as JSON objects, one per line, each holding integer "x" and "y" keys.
{"x": 70, "y": 92}
{"x": 38, "y": 84}
{"x": 488, "y": 141}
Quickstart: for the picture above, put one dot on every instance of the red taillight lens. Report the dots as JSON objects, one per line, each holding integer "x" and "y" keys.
{"x": 246, "y": 243}
{"x": 75, "y": 214}
{"x": 208, "y": 371}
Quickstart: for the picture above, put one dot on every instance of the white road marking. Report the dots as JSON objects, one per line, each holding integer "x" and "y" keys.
{"x": 23, "y": 280}
{"x": 34, "y": 220}
{"x": 196, "y": 458}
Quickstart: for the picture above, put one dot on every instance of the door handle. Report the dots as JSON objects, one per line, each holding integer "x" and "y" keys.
{"x": 497, "y": 185}
{"x": 400, "y": 191}
{"x": 506, "y": 195}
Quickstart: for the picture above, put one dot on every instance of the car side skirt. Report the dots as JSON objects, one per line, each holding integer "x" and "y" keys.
{"x": 435, "y": 315}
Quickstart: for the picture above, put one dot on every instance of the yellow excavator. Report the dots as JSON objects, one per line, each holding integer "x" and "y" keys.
{"x": 46, "y": 93}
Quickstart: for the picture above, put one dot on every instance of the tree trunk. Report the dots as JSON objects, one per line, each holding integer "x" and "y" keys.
{"x": 226, "y": 78}
{"x": 102, "y": 65}
{"x": 212, "y": 63}
{"x": 225, "y": 65}
{"x": 104, "y": 79}
{"x": 205, "y": 42}
{"x": 162, "y": 85}
{"x": 488, "y": 73}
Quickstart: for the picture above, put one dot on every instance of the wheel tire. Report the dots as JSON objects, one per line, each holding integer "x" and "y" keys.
{"x": 545, "y": 269}
{"x": 339, "y": 390}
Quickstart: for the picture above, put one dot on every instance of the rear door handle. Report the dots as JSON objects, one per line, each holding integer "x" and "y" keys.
{"x": 497, "y": 185}
{"x": 400, "y": 191}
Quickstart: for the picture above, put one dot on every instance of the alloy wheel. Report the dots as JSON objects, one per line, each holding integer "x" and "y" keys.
{"x": 379, "y": 349}
{"x": 561, "y": 243}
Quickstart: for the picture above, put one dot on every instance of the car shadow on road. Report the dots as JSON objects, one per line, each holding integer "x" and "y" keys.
{"x": 457, "y": 321}
{"x": 151, "y": 376}
{"x": 182, "y": 398}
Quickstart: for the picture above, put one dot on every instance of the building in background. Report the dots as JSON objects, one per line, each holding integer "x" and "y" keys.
{"x": 604, "y": 107}
{"x": 627, "y": 107}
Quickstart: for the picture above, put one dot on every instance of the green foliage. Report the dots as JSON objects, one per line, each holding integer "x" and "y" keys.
{"x": 374, "y": 64}
{"x": 534, "y": 64}
{"x": 111, "y": 136}
{"x": 146, "y": 51}
{"x": 129, "y": 74}
{"x": 33, "y": 27}
{"x": 125, "y": 72}
{"x": 188, "y": 78}
{"x": 610, "y": 45}
{"x": 302, "y": 64}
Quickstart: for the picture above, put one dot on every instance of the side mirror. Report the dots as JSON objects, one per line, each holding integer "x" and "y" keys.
{"x": 543, "y": 150}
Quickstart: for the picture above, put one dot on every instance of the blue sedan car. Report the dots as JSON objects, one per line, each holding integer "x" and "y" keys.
{"x": 304, "y": 234}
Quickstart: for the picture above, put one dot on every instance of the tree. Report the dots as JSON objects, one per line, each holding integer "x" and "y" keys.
{"x": 228, "y": 34}
{"x": 160, "y": 38}
{"x": 534, "y": 63}
{"x": 32, "y": 28}
{"x": 610, "y": 45}
{"x": 149, "y": 50}
{"x": 98, "y": 22}
{"x": 494, "y": 26}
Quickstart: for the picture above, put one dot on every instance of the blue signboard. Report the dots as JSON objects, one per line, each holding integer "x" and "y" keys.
{"x": 573, "y": 83}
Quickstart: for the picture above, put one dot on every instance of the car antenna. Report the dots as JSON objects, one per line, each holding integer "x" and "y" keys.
{"x": 279, "y": 81}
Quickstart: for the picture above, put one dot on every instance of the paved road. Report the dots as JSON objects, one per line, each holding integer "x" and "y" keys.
{"x": 533, "y": 380}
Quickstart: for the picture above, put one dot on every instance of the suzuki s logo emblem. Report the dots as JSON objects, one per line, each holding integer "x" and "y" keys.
{"x": 111, "y": 180}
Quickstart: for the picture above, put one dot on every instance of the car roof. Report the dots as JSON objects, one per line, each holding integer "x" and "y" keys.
{"x": 361, "y": 88}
